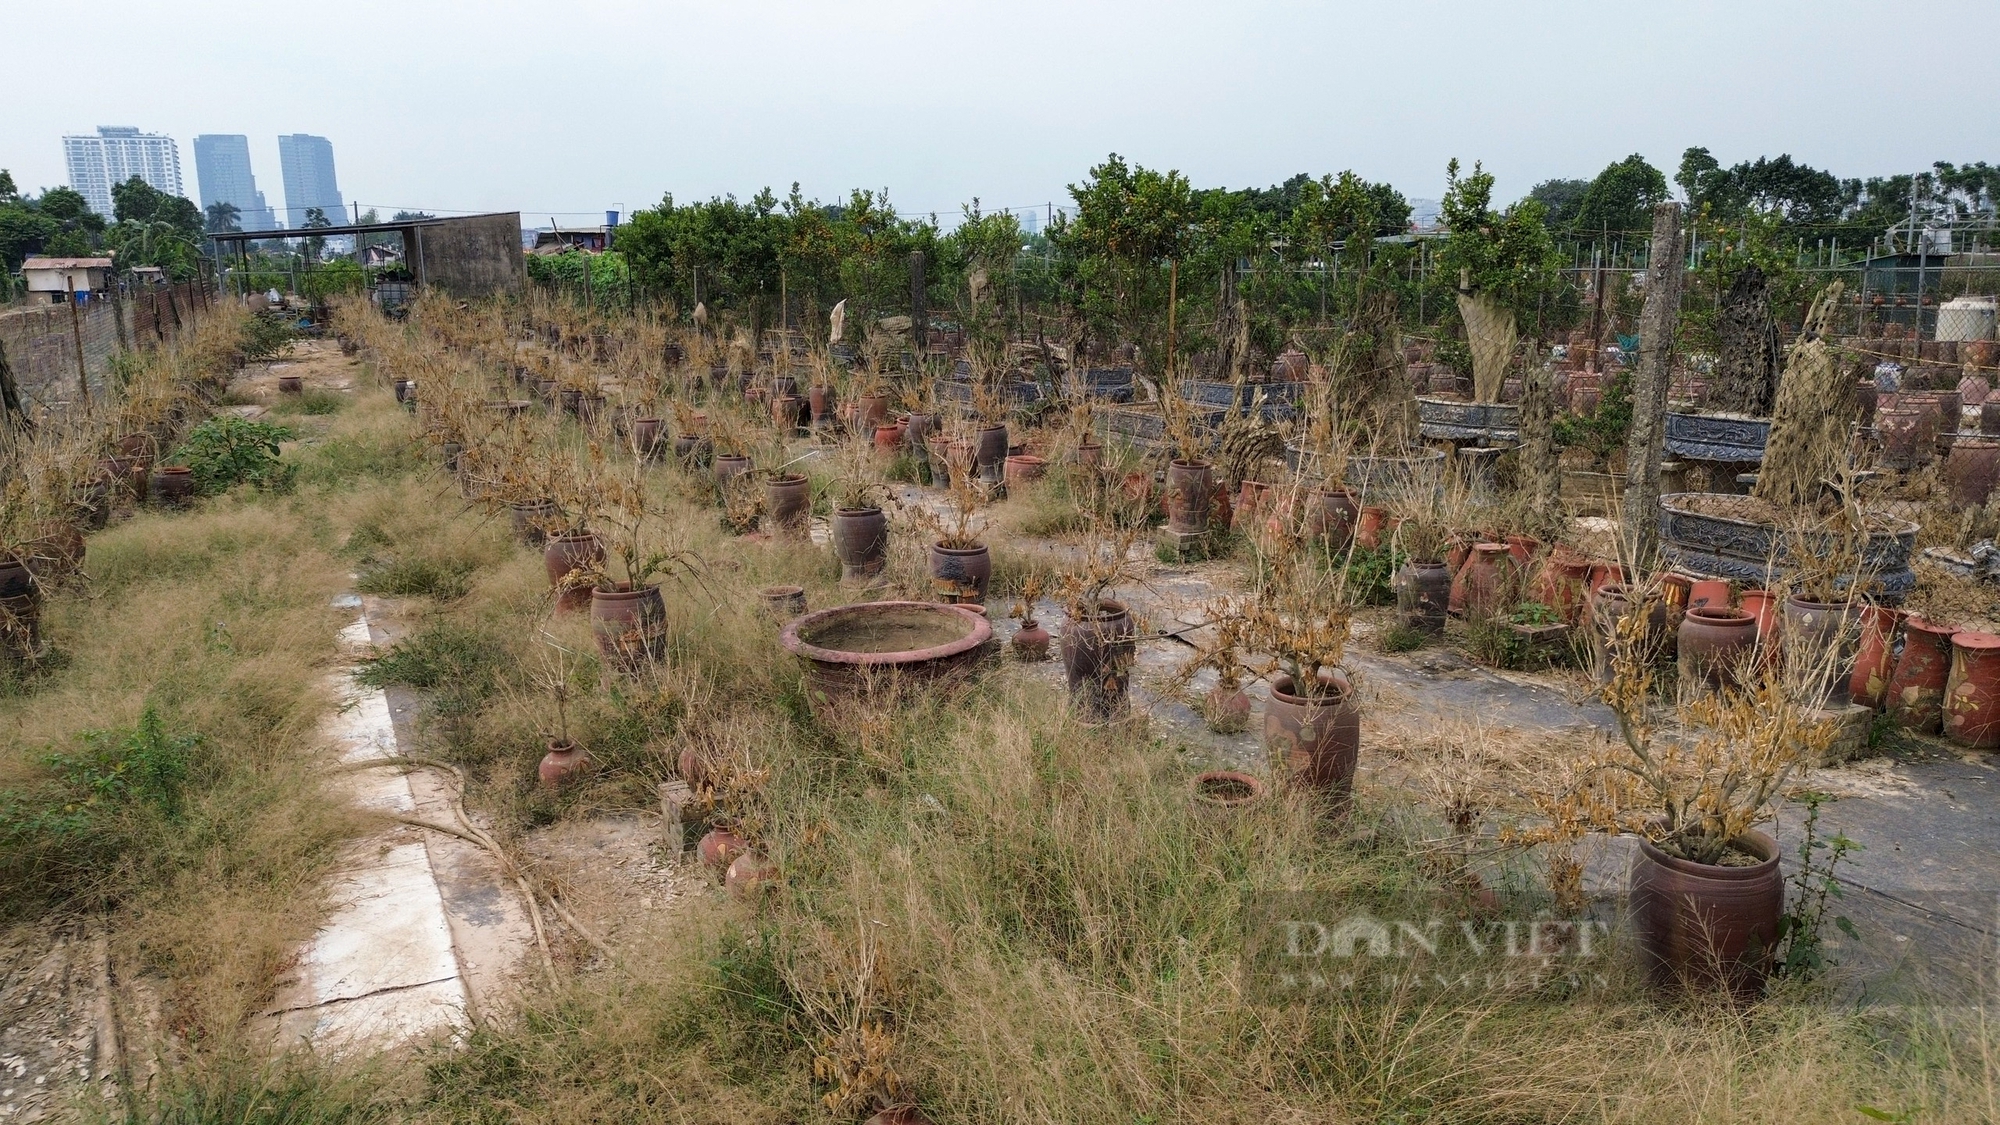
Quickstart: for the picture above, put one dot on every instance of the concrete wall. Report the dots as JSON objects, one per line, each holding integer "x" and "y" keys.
{"x": 38, "y": 341}
{"x": 469, "y": 258}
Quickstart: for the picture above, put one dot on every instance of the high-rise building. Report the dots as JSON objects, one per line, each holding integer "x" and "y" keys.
{"x": 116, "y": 154}
{"x": 222, "y": 165}
{"x": 307, "y": 163}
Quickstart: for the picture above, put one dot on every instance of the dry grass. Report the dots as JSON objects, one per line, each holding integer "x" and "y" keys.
{"x": 986, "y": 906}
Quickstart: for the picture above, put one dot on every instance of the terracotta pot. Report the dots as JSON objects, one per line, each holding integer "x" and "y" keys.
{"x": 173, "y": 485}
{"x": 646, "y": 437}
{"x": 1031, "y": 642}
{"x": 1906, "y": 434}
{"x": 748, "y": 874}
{"x": 1223, "y": 793}
{"x": 719, "y": 847}
{"x": 783, "y": 602}
{"x": 1315, "y": 739}
{"x": 1989, "y": 417}
{"x": 789, "y": 412}
{"x": 291, "y": 384}
{"x": 1707, "y": 925}
{"x": 1916, "y": 689}
{"x": 1714, "y": 643}
{"x": 692, "y": 450}
{"x": 1368, "y": 529}
{"x": 1423, "y": 596}
{"x": 1331, "y": 514}
{"x": 1024, "y": 468}
{"x": 1820, "y": 641}
{"x": 871, "y": 411}
{"x": 1608, "y": 606}
{"x": 1708, "y": 593}
{"x": 530, "y": 522}
{"x": 888, "y": 439}
{"x": 788, "y": 504}
{"x": 630, "y": 627}
{"x": 1138, "y": 488}
{"x": 861, "y": 542}
{"x": 1971, "y": 470}
{"x": 783, "y": 386}
{"x": 820, "y": 401}
{"x": 1087, "y": 456}
{"x": 1226, "y": 710}
{"x": 572, "y": 560}
{"x": 1972, "y": 696}
{"x": 564, "y": 760}
{"x": 989, "y": 452}
{"x": 1190, "y": 485}
{"x": 16, "y": 580}
{"x": 1251, "y": 501}
{"x": 1290, "y": 366}
{"x": 1563, "y": 583}
{"x": 960, "y": 574}
{"x": 917, "y": 430}
{"x": 1098, "y": 653}
{"x": 1604, "y": 574}
{"x": 1523, "y": 548}
{"x": 729, "y": 466}
{"x": 1877, "y": 656}
{"x": 1481, "y": 588}
{"x": 1762, "y": 604}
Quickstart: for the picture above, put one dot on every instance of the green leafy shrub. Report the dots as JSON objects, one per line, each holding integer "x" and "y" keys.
{"x": 266, "y": 335}
{"x": 226, "y": 451}
{"x": 95, "y": 807}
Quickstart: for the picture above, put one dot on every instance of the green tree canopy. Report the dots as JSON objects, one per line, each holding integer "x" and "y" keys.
{"x": 1561, "y": 199}
{"x": 1620, "y": 199}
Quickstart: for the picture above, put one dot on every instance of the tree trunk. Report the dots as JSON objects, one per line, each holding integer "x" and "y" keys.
{"x": 1539, "y": 477}
{"x": 1644, "y": 441}
{"x": 1746, "y": 371}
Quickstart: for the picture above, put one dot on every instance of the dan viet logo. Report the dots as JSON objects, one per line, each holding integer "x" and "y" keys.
{"x": 1294, "y": 953}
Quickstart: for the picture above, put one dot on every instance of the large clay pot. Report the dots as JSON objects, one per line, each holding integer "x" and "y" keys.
{"x": 564, "y": 760}
{"x": 572, "y": 559}
{"x": 1703, "y": 924}
{"x": 729, "y": 466}
{"x": 861, "y": 540}
{"x": 1972, "y": 697}
{"x": 788, "y": 504}
{"x": 630, "y": 627}
{"x": 1762, "y": 604}
{"x": 173, "y": 485}
{"x": 646, "y": 437}
{"x": 820, "y": 401}
{"x": 1098, "y": 653}
{"x": 16, "y": 580}
{"x": 917, "y": 430}
{"x": 1563, "y": 583}
{"x": 1315, "y": 740}
{"x": 1916, "y": 688}
{"x": 1971, "y": 470}
{"x": 1820, "y": 641}
{"x": 871, "y": 411}
{"x": 1190, "y": 484}
{"x": 1708, "y": 593}
{"x": 1611, "y": 604}
{"x": 1024, "y": 469}
{"x": 1251, "y": 500}
{"x": 960, "y": 574}
{"x": 1368, "y": 529}
{"x": 1877, "y": 657}
{"x": 989, "y": 452}
{"x": 1480, "y": 589}
{"x": 530, "y": 522}
{"x": 788, "y": 412}
{"x": 1423, "y": 596}
{"x": 719, "y": 847}
{"x": 1331, "y": 514}
{"x": 1088, "y": 455}
{"x": 1714, "y": 643}
{"x": 1906, "y": 434}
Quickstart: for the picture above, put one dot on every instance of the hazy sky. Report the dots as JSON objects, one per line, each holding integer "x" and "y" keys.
{"x": 580, "y": 106}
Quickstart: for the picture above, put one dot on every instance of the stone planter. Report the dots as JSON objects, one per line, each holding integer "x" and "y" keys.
{"x": 1713, "y": 535}
{"x": 1730, "y": 438}
{"x": 860, "y": 649}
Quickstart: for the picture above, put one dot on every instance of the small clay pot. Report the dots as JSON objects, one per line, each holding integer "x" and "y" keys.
{"x": 1315, "y": 738}
{"x": 720, "y": 847}
{"x": 1915, "y": 695}
{"x": 1423, "y": 596}
{"x": 1220, "y": 794}
{"x": 565, "y": 760}
{"x": 1972, "y": 696}
{"x": 1877, "y": 657}
{"x": 291, "y": 384}
{"x": 783, "y": 602}
{"x": 748, "y": 874}
{"x": 1226, "y": 710}
{"x": 861, "y": 541}
{"x": 961, "y": 574}
{"x": 1024, "y": 468}
{"x": 530, "y": 522}
{"x": 1031, "y": 642}
{"x": 173, "y": 485}
{"x": 788, "y": 504}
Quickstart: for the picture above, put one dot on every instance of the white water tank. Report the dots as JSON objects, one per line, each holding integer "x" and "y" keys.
{"x": 1966, "y": 318}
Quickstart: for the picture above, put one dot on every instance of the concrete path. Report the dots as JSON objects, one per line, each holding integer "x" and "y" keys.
{"x": 423, "y": 927}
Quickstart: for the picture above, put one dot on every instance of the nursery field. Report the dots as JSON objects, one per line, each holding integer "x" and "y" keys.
{"x": 1041, "y": 824}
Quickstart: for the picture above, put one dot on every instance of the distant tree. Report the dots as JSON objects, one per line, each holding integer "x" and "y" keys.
{"x": 23, "y": 232}
{"x": 1797, "y": 194}
{"x": 9, "y": 194}
{"x": 135, "y": 200}
{"x": 1621, "y": 198}
{"x": 315, "y": 220}
{"x": 223, "y": 216}
{"x": 68, "y": 206}
{"x": 410, "y": 216}
{"x": 1561, "y": 199}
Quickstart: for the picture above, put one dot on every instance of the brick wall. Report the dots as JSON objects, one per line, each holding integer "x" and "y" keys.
{"x": 38, "y": 343}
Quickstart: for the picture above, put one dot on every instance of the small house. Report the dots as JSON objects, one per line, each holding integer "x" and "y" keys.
{"x": 59, "y": 277}
{"x": 377, "y": 256}
{"x": 593, "y": 240}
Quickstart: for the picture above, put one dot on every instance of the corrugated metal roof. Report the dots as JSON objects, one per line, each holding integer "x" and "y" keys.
{"x": 66, "y": 264}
